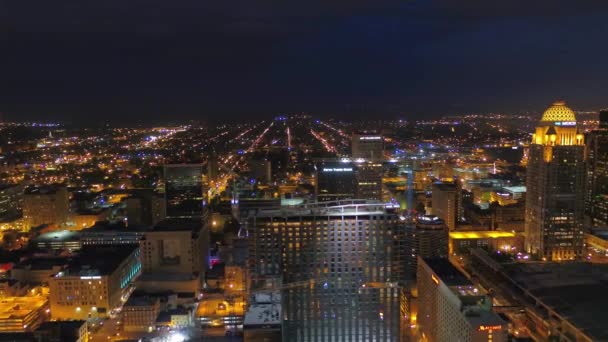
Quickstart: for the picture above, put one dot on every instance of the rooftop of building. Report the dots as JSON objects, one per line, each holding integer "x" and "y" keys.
{"x": 58, "y": 236}
{"x": 19, "y": 307}
{"x": 447, "y": 272}
{"x": 42, "y": 263}
{"x": 165, "y": 316}
{"x": 445, "y": 186}
{"x": 166, "y": 277}
{"x": 141, "y": 301}
{"x": 98, "y": 260}
{"x": 558, "y": 112}
{"x": 177, "y": 224}
{"x": 64, "y": 331}
{"x": 575, "y": 290}
{"x": 43, "y": 189}
{"x": 429, "y": 222}
{"x": 481, "y": 234}
{"x": 265, "y": 308}
{"x": 104, "y": 226}
{"x": 329, "y": 208}
{"x": 18, "y": 337}
{"x": 515, "y": 189}
{"x": 484, "y": 317}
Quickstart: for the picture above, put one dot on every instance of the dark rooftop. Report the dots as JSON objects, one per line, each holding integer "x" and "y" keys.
{"x": 65, "y": 331}
{"x": 43, "y": 263}
{"x": 574, "y": 290}
{"x": 42, "y": 190}
{"x": 449, "y": 274}
{"x": 105, "y": 226}
{"x": 101, "y": 259}
{"x": 178, "y": 224}
{"x": 445, "y": 186}
{"x": 135, "y": 300}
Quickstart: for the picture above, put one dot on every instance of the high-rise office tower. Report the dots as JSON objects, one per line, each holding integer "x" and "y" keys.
{"x": 368, "y": 146}
{"x": 335, "y": 180}
{"x": 451, "y": 308}
{"x": 446, "y": 203}
{"x": 369, "y": 180}
{"x": 184, "y": 190}
{"x": 555, "y": 187}
{"x": 427, "y": 237}
{"x": 337, "y": 261}
{"x": 212, "y": 168}
{"x": 597, "y": 172}
{"x": 145, "y": 207}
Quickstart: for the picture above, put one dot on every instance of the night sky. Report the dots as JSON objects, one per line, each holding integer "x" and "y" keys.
{"x": 144, "y": 60}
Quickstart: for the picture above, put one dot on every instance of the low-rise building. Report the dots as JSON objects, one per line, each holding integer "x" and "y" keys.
{"x": 59, "y": 240}
{"x": 11, "y": 288}
{"x": 20, "y": 314}
{"x": 94, "y": 283}
{"x": 104, "y": 233}
{"x": 39, "y": 270}
{"x": 140, "y": 313}
{"x": 62, "y": 331}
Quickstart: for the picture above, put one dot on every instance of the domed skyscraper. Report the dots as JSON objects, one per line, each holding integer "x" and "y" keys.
{"x": 555, "y": 187}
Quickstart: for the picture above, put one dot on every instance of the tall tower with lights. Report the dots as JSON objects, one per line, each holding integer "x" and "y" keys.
{"x": 555, "y": 187}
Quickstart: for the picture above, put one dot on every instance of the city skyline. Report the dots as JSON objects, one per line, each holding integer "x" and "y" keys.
{"x": 319, "y": 171}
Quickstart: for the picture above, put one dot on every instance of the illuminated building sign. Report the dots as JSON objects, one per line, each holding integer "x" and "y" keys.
{"x": 490, "y": 327}
{"x": 435, "y": 279}
{"x": 338, "y": 169}
{"x": 90, "y": 277}
{"x": 370, "y": 138}
{"x": 565, "y": 123}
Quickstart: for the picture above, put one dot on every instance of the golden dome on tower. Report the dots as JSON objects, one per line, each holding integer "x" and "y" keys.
{"x": 558, "y": 112}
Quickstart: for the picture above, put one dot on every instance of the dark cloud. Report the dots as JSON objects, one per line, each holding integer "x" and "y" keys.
{"x": 151, "y": 59}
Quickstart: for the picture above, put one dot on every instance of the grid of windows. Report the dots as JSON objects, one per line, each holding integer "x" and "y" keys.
{"x": 337, "y": 271}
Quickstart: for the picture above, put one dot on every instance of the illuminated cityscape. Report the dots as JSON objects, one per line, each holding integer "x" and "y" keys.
{"x": 322, "y": 171}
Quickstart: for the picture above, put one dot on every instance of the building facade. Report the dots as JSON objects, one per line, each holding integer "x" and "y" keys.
{"x": 335, "y": 180}
{"x": 11, "y": 200}
{"x": 175, "y": 246}
{"x": 555, "y": 181}
{"x": 94, "y": 283}
{"x": 184, "y": 190}
{"x": 368, "y": 146}
{"x": 369, "y": 180}
{"x": 426, "y": 237}
{"x": 451, "y": 308}
{"x": 445, "y": 203}
{"x": 338, "y": 263}
{"x": 45, "y": 205}
{"x": 596, "y": 201}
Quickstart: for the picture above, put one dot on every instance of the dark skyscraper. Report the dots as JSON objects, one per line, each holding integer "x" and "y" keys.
{"x": 427, "y": 237}
{"x": 555, "y": 187}
{"x": 337, "y": 261}
{"x": 597, "y": 172}
{"x": 369, "y": 180}
{"x": 184, "y": 190}
{"x": 335, "y": 180}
